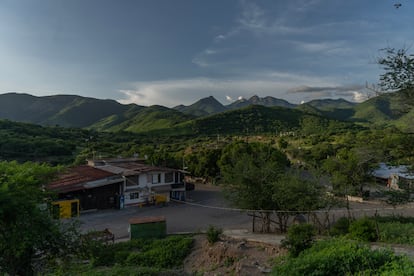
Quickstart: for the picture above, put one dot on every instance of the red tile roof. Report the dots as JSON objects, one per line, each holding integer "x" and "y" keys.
{"x": 74, "y": 177}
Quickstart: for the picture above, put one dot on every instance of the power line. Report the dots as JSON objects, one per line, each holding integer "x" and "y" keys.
{"x": 286, "y": 211}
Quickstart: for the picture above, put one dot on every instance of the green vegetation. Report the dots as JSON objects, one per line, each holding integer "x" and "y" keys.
{"x": 135, "y": 257}
{"x": 30, "y": 240}
{"x": 256, "y": 176}
{"x": 213, "y": 234}
{"x": 363, "y": 229}
{"x": 387, "y": 229}
{"x": 299, "y": 237}
{"x": 344, "y": 257}
{"x": 266, "y": 157}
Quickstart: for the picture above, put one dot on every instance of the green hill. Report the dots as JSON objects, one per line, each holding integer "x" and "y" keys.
{"x": 253, "y": 120}
{"x": 330, "y": 104}
{"x": 386, "y": 109}
{"x": 203, "y": 107}
{"x": 142, "y": 120}
{"x": 64, "y": 110}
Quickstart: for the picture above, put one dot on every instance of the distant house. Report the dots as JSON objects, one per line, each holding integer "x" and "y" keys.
{"x": 395, "y": 177}
{"x": 113, "y": 183}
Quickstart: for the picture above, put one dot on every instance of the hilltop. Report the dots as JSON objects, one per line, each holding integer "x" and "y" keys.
{"x": 253, "y": 115}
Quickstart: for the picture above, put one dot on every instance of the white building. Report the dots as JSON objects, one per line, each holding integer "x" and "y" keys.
{"x": 142, "y": 183}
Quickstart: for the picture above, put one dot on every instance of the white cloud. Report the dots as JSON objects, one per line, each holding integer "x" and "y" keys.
{"x": 228, "y": 98}
{"x": 359, "y": 96}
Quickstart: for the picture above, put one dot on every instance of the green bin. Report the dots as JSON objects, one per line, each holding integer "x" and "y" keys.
{"x": 147, "y": 227}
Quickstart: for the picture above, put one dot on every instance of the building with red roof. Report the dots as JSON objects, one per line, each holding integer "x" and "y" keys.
{"x": 113, "y": 183}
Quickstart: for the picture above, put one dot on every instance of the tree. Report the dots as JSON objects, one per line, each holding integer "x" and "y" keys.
{"x": 297, "y": 194}
{"x": 248, "y": 171}
{"x": 203, "y": 163}
{"x": 28, "y": 235}
{"x": 399, "y": 69}
{"x": 399, "y": 73}
{"x": 350, "y": 169}
{"x": 256, "y": 178}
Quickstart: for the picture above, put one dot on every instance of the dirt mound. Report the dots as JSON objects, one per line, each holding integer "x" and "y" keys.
{"x": 230, "y": 257}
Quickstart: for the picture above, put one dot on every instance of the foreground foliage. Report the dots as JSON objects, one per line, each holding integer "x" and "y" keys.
{"x": 29, "y": 239}
{"x": 344, "y": 257}
{"x": 299, "y": 237}
{"x": 135, "y": 257}
{"x": 387, "y": 229}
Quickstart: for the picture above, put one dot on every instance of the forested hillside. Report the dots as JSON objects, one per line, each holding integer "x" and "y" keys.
{"x": 242, "y": 116}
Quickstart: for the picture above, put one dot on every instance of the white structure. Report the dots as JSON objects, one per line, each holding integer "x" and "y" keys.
{"x": 143, "y": 182}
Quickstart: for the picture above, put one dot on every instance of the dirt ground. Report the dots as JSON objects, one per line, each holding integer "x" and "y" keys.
{"x": 230, "y": 256}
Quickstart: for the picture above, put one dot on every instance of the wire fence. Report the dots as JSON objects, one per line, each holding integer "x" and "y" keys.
{"x": 280, "y": 220}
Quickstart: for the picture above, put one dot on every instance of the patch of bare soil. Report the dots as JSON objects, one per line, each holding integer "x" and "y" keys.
{"x": 230, "y": 257}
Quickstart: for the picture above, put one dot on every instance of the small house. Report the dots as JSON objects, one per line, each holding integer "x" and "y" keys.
{"x": 394, "y": 177}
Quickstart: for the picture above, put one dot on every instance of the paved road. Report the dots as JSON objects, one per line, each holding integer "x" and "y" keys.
{"x": 180, "y": 217}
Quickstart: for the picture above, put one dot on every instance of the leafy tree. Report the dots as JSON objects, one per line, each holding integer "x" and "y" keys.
{"x": 350, "y": 170}
{"x": 249, "y": 170}
{"x": 399, "y": 69}
{"x": 28, "y": 235}
{"x": 204, "y": 162}
{"x": 296, "y": 194}
{"x": 256, "y": 177}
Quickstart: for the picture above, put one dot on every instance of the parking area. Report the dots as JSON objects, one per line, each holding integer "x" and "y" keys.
{"x": 180, "y": 217}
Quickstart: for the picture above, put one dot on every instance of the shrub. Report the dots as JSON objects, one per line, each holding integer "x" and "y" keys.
{"x": 342, "y": 257}
{"x": 396, "y": 232}
{"x": 363, "y": 229}
{"x": 341, "y": 227}
{"x": 213, "y": 234}
{"x": 299, "y": 238}
{"x": 165, "y": 253}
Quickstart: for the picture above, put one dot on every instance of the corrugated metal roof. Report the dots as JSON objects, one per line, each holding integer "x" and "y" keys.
{"x": 75, "y": 178}
{"x": 385, "y": 171}
{"x": 139, "y": 167}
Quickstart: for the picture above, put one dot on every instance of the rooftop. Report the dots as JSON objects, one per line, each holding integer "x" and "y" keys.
{"x": 74, "y": 178}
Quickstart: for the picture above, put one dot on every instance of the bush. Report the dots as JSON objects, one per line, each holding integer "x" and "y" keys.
{"x": 341, "y": 227}
{"x": 158, "y": 253}
{"x": 396, "y": 232}
{"x": 299, "y": 238}
{"x": 165, "y": 253}
{"x": 213, "y": 234}
{"x": 343, "y": 257}
{"x": 363, "y": 229}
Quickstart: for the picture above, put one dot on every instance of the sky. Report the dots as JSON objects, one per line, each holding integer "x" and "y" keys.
{"x": 171, "y": 52}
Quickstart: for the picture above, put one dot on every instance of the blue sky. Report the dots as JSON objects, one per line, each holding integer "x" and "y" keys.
{"x": 172, "y": 52}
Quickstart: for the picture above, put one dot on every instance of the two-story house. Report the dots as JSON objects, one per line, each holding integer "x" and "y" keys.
{"x": 115, "y": 183}
{"x": 142, "y": 182}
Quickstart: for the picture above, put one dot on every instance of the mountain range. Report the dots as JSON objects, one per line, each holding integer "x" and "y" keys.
{"x": 109, "y": 115}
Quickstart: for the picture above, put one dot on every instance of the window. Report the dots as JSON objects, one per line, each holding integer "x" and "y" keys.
{"x": 134, "y": 195}
{"x": 169, "y": 177}
{"x": 156, "y": 178}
